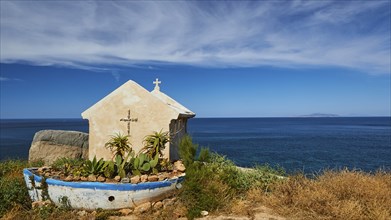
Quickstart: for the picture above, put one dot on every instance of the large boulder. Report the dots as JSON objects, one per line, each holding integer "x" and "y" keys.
{"x": 50, "y": 145}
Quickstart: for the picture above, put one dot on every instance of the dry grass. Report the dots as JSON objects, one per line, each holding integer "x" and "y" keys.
{"x": 332, "y": 195}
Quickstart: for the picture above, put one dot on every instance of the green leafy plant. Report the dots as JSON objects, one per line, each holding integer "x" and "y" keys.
{"x": 122, "y": 165}
{"x": 143, "y": 164}
{"x": 94, "y": 166}
{"x": 119, "y": 145}
{"x": 67, "y": 165}
{"x": 110, "y": 170}
{"x": 165, "y": 164}
{"x": 155, "y": 143}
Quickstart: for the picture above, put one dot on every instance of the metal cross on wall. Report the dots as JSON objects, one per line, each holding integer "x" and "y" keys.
{"x": 128, "y": 119}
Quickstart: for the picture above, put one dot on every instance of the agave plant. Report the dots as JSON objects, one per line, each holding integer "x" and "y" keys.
{"x": 155, "y": 143}
{"x": 122, "y": 165}
{"x": 119, "y": 145}
{"x": 94, "y": 166}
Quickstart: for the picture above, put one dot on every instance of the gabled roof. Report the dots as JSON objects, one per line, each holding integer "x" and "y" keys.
{"x": 132, "y": 87}
{"x": 182, "y": 110}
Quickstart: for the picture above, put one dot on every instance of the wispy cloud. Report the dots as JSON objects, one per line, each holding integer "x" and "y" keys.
{"x": 351, "y": 34}
{"x": 2, "y": 79}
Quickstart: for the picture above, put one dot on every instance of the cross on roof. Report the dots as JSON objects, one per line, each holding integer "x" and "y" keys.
{"x": 157, "y": 82}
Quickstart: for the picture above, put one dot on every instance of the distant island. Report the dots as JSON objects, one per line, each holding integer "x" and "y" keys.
{"x": 314, "y": 115}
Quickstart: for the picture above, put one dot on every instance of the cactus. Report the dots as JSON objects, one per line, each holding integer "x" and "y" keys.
{"x": 143, "y": 164}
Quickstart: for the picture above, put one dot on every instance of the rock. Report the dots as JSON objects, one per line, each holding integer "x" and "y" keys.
{"x": 76, "y": 178}
{"x": 178, "y": 165}
{"x": 169, "y": 202}
{"x": 83, "y": 178}
{"x": 153, "y": 178}
{"x": 49, "y": 145}
{"x": 38, "y": 204}
{"x": 142, "y": 208}
{"x": 127, "y": 217}
{"x": 47, "y": 174}
{"x": 125, "y": 211}
{"x": 204, "y": 213}
{"x": 101, "y": 179}
{"x": 125, "y": 180}
{"x": 135, "y": 179}
{"x": 158, "y": 205}
{"x": 81, "y": 213}
{"x": 91, "y": 178}
{"x": 144, "y": 178}
{"x": 117, "y": 178}
{"x": 43, "y": 169}
{"x": 69, "y": 178}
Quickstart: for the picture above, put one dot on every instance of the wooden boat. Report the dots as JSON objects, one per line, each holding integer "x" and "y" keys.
{"x": 93, "y": 195}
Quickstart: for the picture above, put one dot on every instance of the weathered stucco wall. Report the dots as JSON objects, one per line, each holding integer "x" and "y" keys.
{"x": 104, "y": 118}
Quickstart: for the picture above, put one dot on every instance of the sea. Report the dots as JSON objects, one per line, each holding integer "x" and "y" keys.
{"x": 303, "y": 144}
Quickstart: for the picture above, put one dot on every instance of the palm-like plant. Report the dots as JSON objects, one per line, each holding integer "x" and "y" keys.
{"x": 155, "y": 143}
{"x": 119, "y": 145}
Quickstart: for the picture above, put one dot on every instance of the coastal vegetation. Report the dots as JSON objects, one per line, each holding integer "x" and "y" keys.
{"x": 215, "y": 184}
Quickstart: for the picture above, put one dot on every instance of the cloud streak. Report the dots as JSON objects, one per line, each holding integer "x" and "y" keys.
{"x": 293, "y": 34}
{"x": 3, "y": 79}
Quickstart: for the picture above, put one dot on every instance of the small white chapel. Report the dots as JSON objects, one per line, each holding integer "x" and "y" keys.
{"x": 132, "y": 110}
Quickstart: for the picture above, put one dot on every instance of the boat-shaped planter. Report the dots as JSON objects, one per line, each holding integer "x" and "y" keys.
{"x": 94, "y": 195}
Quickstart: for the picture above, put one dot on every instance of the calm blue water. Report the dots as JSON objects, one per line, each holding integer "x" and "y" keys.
{"x": 305, "y": 144}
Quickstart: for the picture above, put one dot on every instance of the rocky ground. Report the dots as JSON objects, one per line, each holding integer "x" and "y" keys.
{"x": 169, "y": 208}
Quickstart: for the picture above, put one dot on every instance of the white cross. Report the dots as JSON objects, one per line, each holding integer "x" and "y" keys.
{"x": 157, "y": 82}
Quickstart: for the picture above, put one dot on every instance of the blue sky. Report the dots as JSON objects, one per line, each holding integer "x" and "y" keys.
{"x": 219, "y": 59}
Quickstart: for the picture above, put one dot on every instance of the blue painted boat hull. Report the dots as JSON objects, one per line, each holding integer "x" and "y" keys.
{"x": 93, "y": 195}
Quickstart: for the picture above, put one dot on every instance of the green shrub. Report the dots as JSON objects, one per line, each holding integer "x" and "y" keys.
{"x": 13, "y": 191}
{"x": 203, "y": 190}
{"x": 187, "y": 150}
{"x": 11, "y": 167}
{"x": 212, "y": 180}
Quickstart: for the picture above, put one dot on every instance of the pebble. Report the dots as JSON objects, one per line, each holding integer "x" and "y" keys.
{"x": 135, "y": 179}
{"x": 144, "y": 178}
{"x": 117, "y": 178}
{"x": 158, "y": 205}
{"x": 178, "y": 165}
{"x": 37, "y": 204}
{"x": 125, "y": 211}
{"x": 125, "y": 180}
{"x": 142, "y": 208}
{"x": 153, "y": 178}
{"x": 101, "y": 179}
{"x": 91, "y": 178}
{"x": 204, "y": 213}
{"x": 81, "y": 213}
